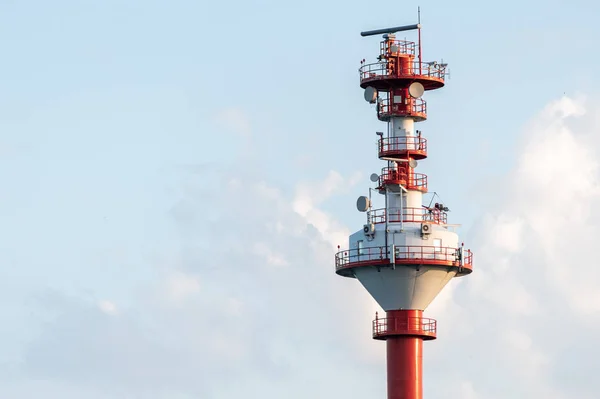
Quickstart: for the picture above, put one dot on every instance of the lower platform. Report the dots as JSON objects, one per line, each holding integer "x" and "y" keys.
{"x": 404, "y": 323}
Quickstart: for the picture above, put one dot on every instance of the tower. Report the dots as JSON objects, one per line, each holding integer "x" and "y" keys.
{"x": 406, "y": 252}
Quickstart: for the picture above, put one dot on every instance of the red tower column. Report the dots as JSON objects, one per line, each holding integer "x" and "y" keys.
{"x": 405, "y": 368}
{"x": 404, "y": 331}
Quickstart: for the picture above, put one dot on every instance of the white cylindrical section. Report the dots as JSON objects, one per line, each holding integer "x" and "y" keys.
{"x": 414, "y": 208}
{"x": 402, "y": 206}
{"x": 403, "y": 127}
{"x": 414, "y": 199}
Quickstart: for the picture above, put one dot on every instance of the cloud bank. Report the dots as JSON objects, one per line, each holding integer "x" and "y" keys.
{"x": 533, "y": 303}
{"x": 248, "y": 304}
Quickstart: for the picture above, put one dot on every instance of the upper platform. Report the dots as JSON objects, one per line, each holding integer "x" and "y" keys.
{"x": 393, "y": 179}
{"x": 402, "y": 147}
{"x": 397, "y": 67}
{"x": 407, "y": 215}
{"x": 414, "y": 255}
{"x": 415, "y": 108}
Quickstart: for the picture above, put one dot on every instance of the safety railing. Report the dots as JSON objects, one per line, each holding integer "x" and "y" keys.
{"x": 407, "y": 215}
{"x": 403, "y": 254}
{"x": 397, "y": 46}
{"x": 433, "y": 253}
{"x": 369, "y": 255}
{"x": 411, "y": 181}
{"x": 378, "y": 70}
{"x": 391, "y": 146}
{"x": 387, "y": 108}
{"x": 404, "y": 325}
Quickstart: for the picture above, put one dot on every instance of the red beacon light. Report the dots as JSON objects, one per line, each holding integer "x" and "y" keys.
{"x": 406, "y": 252}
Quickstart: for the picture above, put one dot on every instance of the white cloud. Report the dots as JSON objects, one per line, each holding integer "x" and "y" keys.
{"x": 257, "y": 302}
{"x": 467, "y": 391}
{"x": 108, "y": 307}
{"x": 310, "y": 194}
{"x": 270, "y": 256}
{"x": 506, "y": 233}
{"x": 180, "y": 286}
{"x": 558, "y": 188}
{"x": 235, "y": 120}
{"x": 534, "y": 288}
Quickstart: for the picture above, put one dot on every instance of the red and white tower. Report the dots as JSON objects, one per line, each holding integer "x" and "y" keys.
{"x": 407, "y": 252}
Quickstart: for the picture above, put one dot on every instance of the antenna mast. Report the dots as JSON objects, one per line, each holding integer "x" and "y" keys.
{"x": 419, "y": 24}
{"x": 405, "y": 254}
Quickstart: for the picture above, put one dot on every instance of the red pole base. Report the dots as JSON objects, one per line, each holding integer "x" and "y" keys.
{"x": 405, "y": 367}
{"x": 404, "y": 331}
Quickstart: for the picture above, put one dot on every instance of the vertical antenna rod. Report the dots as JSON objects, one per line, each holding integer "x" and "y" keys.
{"x": 419, "y": 25}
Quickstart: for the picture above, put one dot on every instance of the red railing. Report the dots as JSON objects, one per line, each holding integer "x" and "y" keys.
{"x": 397, "y": 46}
{"x": 401, "y": 146}
{"x": 407, "y": 215}
{"x": 411, "y": 181}
{"x": 418, "y": 108}
{"x": 381, "y": 70}
{"x": 368, "y": 255}
{"x": 404, "y": 325}
{"x": 403, "y": 254}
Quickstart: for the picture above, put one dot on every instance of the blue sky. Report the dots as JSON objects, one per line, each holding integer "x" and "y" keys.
{"x": 166, "y": 164}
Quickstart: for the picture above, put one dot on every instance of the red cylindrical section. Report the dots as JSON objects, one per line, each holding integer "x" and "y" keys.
{"x": 405, "y": 367}
{"x": 405, "y": 356}
{"x": 405, "y": 65}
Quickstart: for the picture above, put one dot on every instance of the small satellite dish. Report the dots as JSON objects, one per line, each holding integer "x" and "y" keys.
{"x": 363, "y": 203}
{"x": 370, "y": 94}
{"x": 394, "y": 48}
{"x": 412, "y": 163}
{"x": 416, "y": 90}
{"x": 374, "y": 177}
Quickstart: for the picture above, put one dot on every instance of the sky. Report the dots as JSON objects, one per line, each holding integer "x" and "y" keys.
{"x": 177, "y": 175}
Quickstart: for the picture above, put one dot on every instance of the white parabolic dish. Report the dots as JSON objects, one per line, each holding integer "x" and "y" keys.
{"x": 416, "y": 90}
